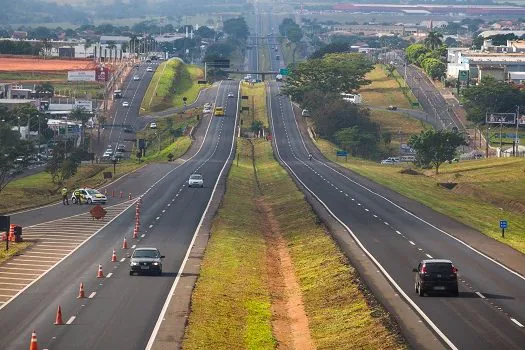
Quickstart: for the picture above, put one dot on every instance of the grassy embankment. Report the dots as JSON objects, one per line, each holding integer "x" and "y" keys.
{"x": 487, "y": 190}
{"x": 256, "y": 102}
{"x": 59, "y": 82}
{"x": 232, "y": 301}
{"x": 38, "y": 189}
{"x": 170, "y": 76}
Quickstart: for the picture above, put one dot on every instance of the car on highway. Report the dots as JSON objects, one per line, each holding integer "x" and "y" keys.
{"x": 219, "y": 111}
{"x": 136, "y": 77}
{"x": 125, "y": 104}
{"x": 128, "y": 130}
{"x": 388, "y": 161}
{"x": 206, "y": 110}
{"x": 230, "y": 94}
{"x": 149, "y": 69}
{"x": 305, "y": 113}
{"x": 146, "y": 260}
{"x": 436, "y": 275}
{"x": 195, "y": 180}
{"x": 108, "y": 154}
{"x": 90, "y": 196}
{"x": 153, "y": 125}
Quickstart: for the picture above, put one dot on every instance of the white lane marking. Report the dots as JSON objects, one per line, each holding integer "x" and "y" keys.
{"x": 158, "y": 217}
{"x": 143, "y": 235}
{"x": 420, "y": 249}
{"x": 175, "y": 283}
{"x": 356, "y": 239}
{"x": 375, "y": 215}
{"x": 386, "y": 223}
{"x": 133, "y": 246}
{"x": 150, "y": 226}
{"x": 122, "y": 260}
{"x": 92, "y": 295}
{"x": 398, "y": 232}
{"x": 516, "y": 322}
{"x": 480, "y": 295}
{"x": 169, "y": 204}
{"x": 411, "y": 242}
{"x": 109, "y": 275}
{"x": 366, "y": 209}
{"x": 163, "y": 210}
{"x": 71, "y": 319}
{"x": 429, "y": 256}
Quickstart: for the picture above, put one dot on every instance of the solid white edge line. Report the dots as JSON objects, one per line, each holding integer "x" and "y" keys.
{"x": 71, "y": 319}
{"x": 516, "y": 322}
{"x": 62, "y": 259}
{"x": 405, "y": 210}
{"x": 370, "y": 256}
{"x": 429, "y": 256}
{"x": 109, "y": 275}
{"x": 480, "y": 295}
{"x": 92, "y": 295}
{"x": 176, "y": 282}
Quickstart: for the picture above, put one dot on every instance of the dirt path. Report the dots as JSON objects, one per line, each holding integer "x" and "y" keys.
{"x": 289, "y": 321}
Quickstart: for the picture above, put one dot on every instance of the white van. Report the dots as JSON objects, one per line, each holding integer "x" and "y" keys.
{"x": 352, "y": 98}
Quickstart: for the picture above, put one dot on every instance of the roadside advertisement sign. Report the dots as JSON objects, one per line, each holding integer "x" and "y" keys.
{"x": 501, "y": 118}
{"x": 102, "y": 73}
{"x": 521, "y": 120}
{"x": 86, "y": 104}
{"x": 81, "y": 75}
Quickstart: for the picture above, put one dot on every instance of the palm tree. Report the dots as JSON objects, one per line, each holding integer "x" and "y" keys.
{"x": 434, "y": 40}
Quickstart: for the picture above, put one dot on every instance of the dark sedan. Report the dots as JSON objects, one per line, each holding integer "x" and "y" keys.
{"x": 146, "y": 260}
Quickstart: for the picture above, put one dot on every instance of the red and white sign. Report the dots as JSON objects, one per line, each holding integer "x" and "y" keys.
{"x": 102, "y": 73}
{"x": 81, "y": 75}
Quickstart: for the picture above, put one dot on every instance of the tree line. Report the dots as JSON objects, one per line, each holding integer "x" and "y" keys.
{"x": 431, "y": 55}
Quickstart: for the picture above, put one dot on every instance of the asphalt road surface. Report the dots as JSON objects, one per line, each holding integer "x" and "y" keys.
{"x": 123, "y": 309}
{"x": 490, "y": 310}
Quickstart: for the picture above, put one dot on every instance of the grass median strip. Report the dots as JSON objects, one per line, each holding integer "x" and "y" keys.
{"x": 485, "y": 190}
{"x": 385, "y": 90}
{"x": 245, "y": 298}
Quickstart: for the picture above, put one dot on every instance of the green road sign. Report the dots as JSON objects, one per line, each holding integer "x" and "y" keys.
{"x": 284, "y": 71}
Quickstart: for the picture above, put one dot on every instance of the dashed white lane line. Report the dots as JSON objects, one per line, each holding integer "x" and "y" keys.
{"x": 429, "y": 256}
{"x": 359, "y": 204}
{"x": 480, "y": 295}
{"x": 386, "y": 223}
{"x": 109, "y": 275}
{"x": 169, "y": 204}
{"x": 150, "y": 226}
{"x": 133, "y": 246}
{"x": 366, "y": 209}
{"x": 143, "y": 235}
{"x": 92, "y": 295}
{"x": 158, "y": 217}
{"x": 375, "y": 215}
{"x": 71, "y": 319}
{"x": 122, "y": 260}
{"x": 346, "y": 194}
{"x": 420, "y": 249}
{"x": 163, "y": 210}
{"x": 353, "y": 199}
{"x": 412, "y": 243}
{"x": 516, "y": 322}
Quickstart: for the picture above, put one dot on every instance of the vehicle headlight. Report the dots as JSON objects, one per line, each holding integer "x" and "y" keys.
{"x": 155, "y": 263}
{"x": 134, "y": 263}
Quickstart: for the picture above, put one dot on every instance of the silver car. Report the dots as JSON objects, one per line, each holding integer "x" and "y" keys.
{"x": 196, "y": 180}
{"x": 146, "y": 260}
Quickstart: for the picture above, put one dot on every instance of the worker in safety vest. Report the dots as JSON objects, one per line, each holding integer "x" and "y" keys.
{"x": 64, "y": 196}
{"x": 78, "y": 197}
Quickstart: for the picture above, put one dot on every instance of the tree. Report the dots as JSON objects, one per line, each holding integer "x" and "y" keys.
{"x": 434, "y": 40}
{"x": 330, "y": 48}
{"x": 451, "y": 42}
{"x": 490, "y": 96}
{"x": 205, "y": 32}
{"x": 11, "y": 148}
{"x": 414, "y": 51}
{"x": 236, "y": 28}
{"x": 44, "y": 90}
{"x": 333, "y": 73}
{"x": 295, "y": 34}
{"x": 82, "y": 115}
{"x": 436, "y": 147}
{"x": 358, "y": 142}
{"x": 434, "y": 68}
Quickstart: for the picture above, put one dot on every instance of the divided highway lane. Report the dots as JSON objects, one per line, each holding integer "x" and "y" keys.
{"x": 123, "y": 309}
{"x": 490, "y": 311}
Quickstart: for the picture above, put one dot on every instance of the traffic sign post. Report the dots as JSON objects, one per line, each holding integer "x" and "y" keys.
{"x": 503, "y": 224}
{"x": 342, "y": 154}
{"x": 284, "y": 71}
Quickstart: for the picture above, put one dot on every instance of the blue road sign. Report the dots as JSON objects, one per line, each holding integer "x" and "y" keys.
{"x": 341, "y": 153}
{"x": 503, "y": 224}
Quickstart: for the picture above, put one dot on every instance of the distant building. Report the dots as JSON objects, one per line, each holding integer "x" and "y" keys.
{"x": 19, "y": 35}
{"x": 369, "y": 29}
{"x": 115, "y": 39}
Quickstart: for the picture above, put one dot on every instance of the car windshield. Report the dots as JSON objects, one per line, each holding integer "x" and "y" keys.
{"x": 146, "y": 253}
{"x": 92, "y": 191}
{"x": 196, "y": 177}
{"x": 438, "y": 267}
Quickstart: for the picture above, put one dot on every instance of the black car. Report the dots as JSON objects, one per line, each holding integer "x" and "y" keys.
{"x": 436, "y": 275}
{"x": 146, "y": 260}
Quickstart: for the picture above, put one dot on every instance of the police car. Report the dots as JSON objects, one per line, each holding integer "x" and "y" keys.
{"x": 89, "y": 196}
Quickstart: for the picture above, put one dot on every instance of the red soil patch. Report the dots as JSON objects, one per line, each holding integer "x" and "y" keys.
{"x": 10, "y": 64}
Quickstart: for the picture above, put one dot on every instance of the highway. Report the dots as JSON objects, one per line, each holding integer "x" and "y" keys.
{"x": 490, "y": 310}
{"x": 121, "y": 310}
{"x": 397, "y": 240}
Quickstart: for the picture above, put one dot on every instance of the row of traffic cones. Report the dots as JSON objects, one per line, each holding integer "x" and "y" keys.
{"x": 114, "y": 194}
{"x": 100, "y": 274}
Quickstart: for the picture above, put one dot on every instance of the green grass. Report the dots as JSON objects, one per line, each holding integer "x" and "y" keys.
{"x": 256, "y": 102}
{"x": 38, "y": 189}
{"x": 230, "y": 306}
{"x": 169, "y": 76}
{"x": 488, "y": 190}
{"x": 14, "y": 249}
{"x": 21, "y": 76}
{"x": 384, "y": 90}
{"x": 173, "y": 132}
{"x": 337, "y": 304}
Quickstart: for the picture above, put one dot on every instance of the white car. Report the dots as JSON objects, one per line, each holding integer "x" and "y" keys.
{"x": 305, "y": 113}
{"x": 107, "y": 154}
{"x": 387, "y": 161}
{"x": 153, "y": 125}
{"x": 195, "y": 180}
{"x": 125, "y": 104}
{"x": 136, "y": 77}
{"x": 90, "y": 196}
{"x": 230, "y": 94}
{"x": 206, "y": 110}
{"x": 149, "y": 69}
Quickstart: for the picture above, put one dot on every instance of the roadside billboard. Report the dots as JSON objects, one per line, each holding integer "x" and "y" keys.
{"x": 86, "y": 104}
{"x": 521, "y": 120}
{"x": 102, "y": 73}
{"x": 501, "y": 118}
{"x": 81, "y": 75}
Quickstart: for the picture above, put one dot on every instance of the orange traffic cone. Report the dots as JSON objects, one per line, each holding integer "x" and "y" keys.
{"x": 114, "y": 256}
{"x": 81, "y": 293}
{"x": 136, "y": 232}
{"x": 124, "y": 244}
{"x": 100, "y": 274}
{"x": 34, "y": 343}
{"x": 4, "y": 237}
{"x": 58, "y": 319}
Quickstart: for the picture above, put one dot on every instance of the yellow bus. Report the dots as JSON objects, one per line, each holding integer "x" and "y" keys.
{"x": 219, "y": 111}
